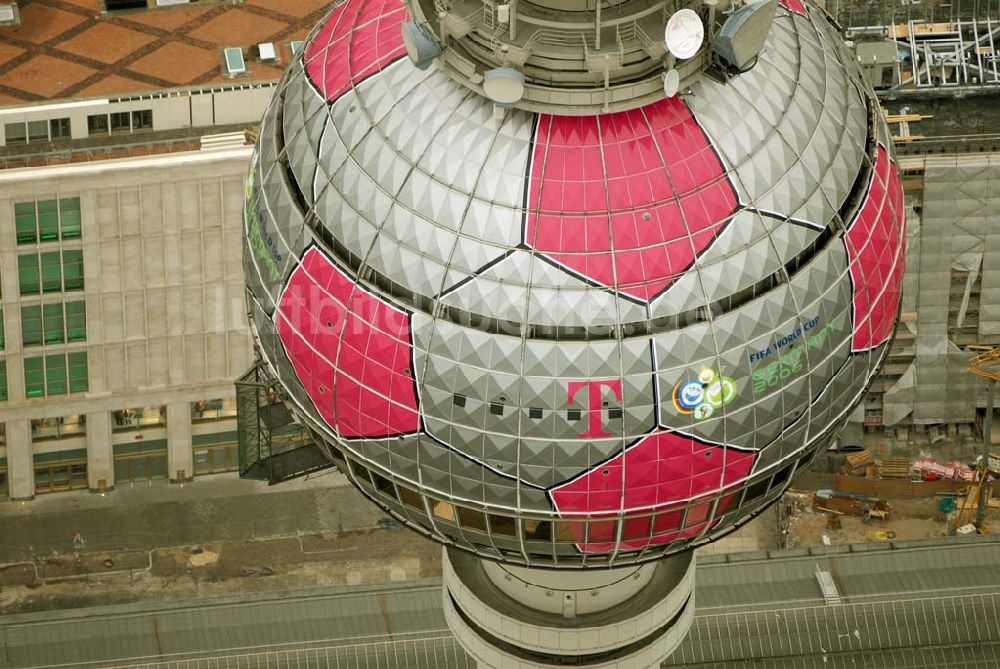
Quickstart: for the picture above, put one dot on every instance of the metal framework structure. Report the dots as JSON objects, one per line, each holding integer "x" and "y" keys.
{"x": 987, "y": 366}
{"x": 935, "y": 46}
{"x": 272, "y": 446}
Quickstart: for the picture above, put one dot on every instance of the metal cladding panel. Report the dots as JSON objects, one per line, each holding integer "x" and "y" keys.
{"x": 773, "y": 356}
{"x": 304, "y": 120}
{"x": 626, "y": 200}
{"x": 525, "y": 288}
{"x": 792, "y": 129}
{"x": 506, "y": 401}
{"x": 876, "y": 242}
{"x": 275, "y": 228}
{"x": 547, "y": 338}
{"x": 752, "y": 247}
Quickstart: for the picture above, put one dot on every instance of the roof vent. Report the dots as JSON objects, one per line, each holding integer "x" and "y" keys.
{"x": 234, "y": 63}
{"x": 9, "y": 16}
{"x": 267, "y": 51}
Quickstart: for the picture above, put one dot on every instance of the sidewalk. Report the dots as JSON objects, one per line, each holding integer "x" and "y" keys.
{"x": 219, "y": 508}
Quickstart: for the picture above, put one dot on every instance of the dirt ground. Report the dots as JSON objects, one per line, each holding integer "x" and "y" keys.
{"x": 910, "y": 519}
{"x": 210, "y": 570}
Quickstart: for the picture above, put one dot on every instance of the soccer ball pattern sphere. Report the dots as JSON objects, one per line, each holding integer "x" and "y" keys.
{"x": 572, "y": 341}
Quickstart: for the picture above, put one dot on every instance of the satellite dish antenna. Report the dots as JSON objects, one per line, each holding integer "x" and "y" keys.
{"x": 684, "y": 33}
{"x": 671, "y": 83}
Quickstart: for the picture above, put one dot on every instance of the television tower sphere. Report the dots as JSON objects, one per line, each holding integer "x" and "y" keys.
{"x": 546, "y": 315}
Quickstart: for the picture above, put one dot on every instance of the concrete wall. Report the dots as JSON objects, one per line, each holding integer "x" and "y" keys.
{"x": 172, "y": 110}
{"x": 161, "y": 240}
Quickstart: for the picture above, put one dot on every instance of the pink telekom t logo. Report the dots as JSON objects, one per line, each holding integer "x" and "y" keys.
{"x": 594, "y": 393}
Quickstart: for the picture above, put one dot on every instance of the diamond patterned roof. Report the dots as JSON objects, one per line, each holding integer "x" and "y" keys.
{"x": 65, "y": 49}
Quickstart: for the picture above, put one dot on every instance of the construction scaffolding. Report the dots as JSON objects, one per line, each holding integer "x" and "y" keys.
{"x": 918, "y": 46}
{"x": 951, "y": 303}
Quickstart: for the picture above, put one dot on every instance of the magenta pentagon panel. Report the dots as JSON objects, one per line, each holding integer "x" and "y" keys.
{"x": 572, "y": 341}
{"x": 626, "y": 200}
{"x": 797, "y": 6}
{"x": 357, "y": 39}
{"x": 667, "y": 480}
{"x": 350, "y": 349}
{"x": 876, "y": 243}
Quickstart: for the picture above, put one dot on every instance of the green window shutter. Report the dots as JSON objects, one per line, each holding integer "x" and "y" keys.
{"x": 48, "y": 220}
{"x": 55, "y": 374}
{"x": 76, "y": 321}
{"x": 3, "y": 380}
{"x": 69, "y": 217}
{"x": 78, "y": 372}
{"x": 34, "y": 377}
{"x": 31, "y": 326}
{"x": 24, "y": 222}
{"x": 51, "y": 272}
{"x": 73, "y": 269}
{"x": 27, "y": 272}
{"x": 52, "y": 324}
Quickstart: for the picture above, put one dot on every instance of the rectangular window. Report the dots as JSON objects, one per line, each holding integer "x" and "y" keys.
{"x": 34, "y": 377}
{"x": 142, "y": 119}
{"x": 31, "y": 325}
{"x": 38, "y": 131}
{"x": 3, "y": 380}
{"x": 73, "y": 269}
{"x": 120, "y": 122}
{"x": 25, "y": 222}
{"x": 27, "y": 272}
{"x": 53, "y": 324}
{"x": 76, "y": 321}
{"x": 77, "y": 365}
{"x": 97, "y": 124}
{"x": 55, "y": 374}
{"x": 1, "y": 331}
{"x": 17, "y": 133}
{"x": 51, "y": 271}
{"x": 59, "y": 128}
{"x": 48, "y": 220}
{"x": 69, "y": 217}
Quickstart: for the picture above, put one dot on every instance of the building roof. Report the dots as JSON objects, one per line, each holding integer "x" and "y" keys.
{"x": 915, "y": 604}
{"x": 71, "y": 49}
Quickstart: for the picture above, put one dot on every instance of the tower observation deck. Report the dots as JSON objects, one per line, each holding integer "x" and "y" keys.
{"x": 572, "y": 288}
